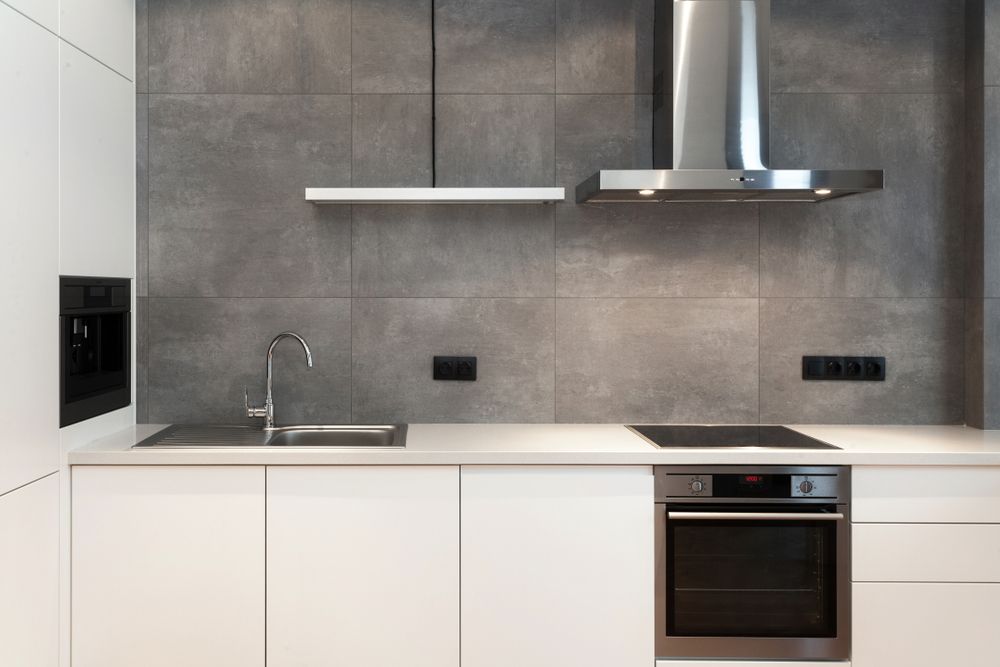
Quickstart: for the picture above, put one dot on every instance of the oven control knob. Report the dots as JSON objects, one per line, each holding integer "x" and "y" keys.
{"x": 806, "y": 486}
{"x": 697, "y": 486}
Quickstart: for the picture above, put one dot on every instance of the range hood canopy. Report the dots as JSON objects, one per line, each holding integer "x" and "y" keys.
{"x": 711, "y": 144}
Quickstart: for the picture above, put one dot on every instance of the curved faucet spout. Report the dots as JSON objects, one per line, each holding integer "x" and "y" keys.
{"x": 269, "y": 399}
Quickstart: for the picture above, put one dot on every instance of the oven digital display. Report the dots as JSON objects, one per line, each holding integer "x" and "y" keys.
{"x": 752, "y": 480}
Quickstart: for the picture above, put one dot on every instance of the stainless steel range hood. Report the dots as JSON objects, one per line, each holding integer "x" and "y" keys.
{"x": 711, "y": 143}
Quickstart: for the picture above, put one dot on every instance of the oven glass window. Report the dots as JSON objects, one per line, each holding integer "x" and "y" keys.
{"x": 752, "y": 578}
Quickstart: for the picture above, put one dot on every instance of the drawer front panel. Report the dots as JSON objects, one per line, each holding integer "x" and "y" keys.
{"x": 921, "y": 494}
{"x": 926, "y": 552}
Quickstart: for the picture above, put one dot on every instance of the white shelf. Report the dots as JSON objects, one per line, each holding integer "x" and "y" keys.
{"x": 435, "y": 195}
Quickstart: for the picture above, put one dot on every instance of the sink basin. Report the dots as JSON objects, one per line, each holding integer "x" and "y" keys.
{"x": 342, "y": 436}
{"x": 338, "y": 436}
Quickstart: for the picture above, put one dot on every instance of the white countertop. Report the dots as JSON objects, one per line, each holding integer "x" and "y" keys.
{"x": 579, "y": 444}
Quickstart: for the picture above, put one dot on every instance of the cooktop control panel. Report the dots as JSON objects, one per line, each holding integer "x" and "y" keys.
{"x": 744, "y": 484}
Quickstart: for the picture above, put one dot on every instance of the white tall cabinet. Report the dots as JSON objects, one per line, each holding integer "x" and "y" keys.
{"x": 557, "y": 566}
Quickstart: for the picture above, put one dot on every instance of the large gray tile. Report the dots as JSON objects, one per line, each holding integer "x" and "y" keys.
{"x": 903, "y": 241}
{"x": 485, "y": 46}
{"x": 204, "y": 351}
{"x": 975, "y": 37}
{"x": 141, "y": 46}
{"x": 140, "y": 321}
{"x": 392, "y": 141}
{"x": 604, "y": 46}
{"x": 975, "y": 194}
{"x": 391, "y": 46}
{"x": 250, "y": 46}
{"x": 975, "y": 399}
{"x": 495, "y": 140}
{"x": 990, "y": 371}
{"x": 595, "y": 132}
{"x": 991, "y": 194}
{"x": 656, "y": 360}
{"x": 452, "y": 250}
{"x": 991, "y": 54}
{"x": 227, "y": 210}
{"x": 867, "y": 46}
{"x": 653, "y": 250}
{"x": 396, "y": 339}
{"x": 920, "y": 338}
{"x": 141, "y": 195}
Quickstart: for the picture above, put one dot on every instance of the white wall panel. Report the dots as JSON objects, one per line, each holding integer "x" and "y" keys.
{"x": 29, "y": 575}
{"x": 45, "y": 12}
{"x": 29, "y": 259}
{"x": 97, "y": 168}
{"x": 103, "y": 28}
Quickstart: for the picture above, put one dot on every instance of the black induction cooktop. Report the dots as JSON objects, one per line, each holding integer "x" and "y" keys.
{"x": 683, "y": 435}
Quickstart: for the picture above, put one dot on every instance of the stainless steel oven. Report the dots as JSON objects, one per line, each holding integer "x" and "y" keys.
{"x": 753, "y": 562}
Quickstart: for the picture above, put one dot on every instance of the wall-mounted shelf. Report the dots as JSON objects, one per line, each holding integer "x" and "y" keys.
{"x": 435, "y": 195}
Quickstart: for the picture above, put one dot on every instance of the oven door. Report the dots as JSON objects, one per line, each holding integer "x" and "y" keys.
{"x": 753, "y": 582}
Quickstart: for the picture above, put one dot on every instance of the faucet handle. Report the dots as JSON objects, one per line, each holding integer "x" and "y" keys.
{"x": 253, "y": 412}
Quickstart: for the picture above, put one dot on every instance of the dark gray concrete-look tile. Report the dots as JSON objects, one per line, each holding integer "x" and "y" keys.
{"x": 656, "y": 360}
{"x": 595, "y": 132}
{"x": 228, "y": 216}
{"x": 604, "y": 46}
{"x": 204, "y": 351}
{"x": 140, "y": 321}
{"x": 657, "y": 250}
{"x": 495, "y": 140}
{"x": 991, "y": 194}
{"x": 484, "y": 46}
{"x": 142, "y": 46}
{"x": 905, "y": 241}
{"x": 395, "y": 341}
{"x": 250, "y": 46}
{"x": 920, "y": 338}
{"x": 975, "y": 354}
{"x": 391, "y": 46}
{"x": 453, "y": 250}
{"x": 392, "y": 141}
{"x": 141, "y": 195}
{"x": 867, "y": 46}
{"x": 991, "y": 75}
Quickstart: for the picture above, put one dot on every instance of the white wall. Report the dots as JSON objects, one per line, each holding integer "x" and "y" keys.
{"x": 67, "y": 206}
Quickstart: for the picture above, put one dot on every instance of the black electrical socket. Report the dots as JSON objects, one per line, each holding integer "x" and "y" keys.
{"x": 455, "y": 368}
{"x": 871, "y": 369}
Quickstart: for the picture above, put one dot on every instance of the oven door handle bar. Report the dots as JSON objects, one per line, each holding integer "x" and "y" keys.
{"x": 756, "y": 516}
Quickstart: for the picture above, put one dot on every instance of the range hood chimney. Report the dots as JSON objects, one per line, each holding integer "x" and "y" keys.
{"x": 711, "y": 143}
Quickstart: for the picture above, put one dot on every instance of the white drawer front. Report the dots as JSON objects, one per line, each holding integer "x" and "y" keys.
{"x": 925, "y": 625}
{"x": 926, "y": 552}
{"x": 748, "y": 663}
{"x": 925, "y": 495}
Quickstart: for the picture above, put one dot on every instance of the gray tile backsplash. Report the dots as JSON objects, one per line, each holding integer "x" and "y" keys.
{"x": 696, "y": 313}
{"x": 250, "y": 46}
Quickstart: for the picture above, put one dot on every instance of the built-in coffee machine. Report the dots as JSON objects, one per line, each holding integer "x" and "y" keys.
{"x": 95, "y": 370}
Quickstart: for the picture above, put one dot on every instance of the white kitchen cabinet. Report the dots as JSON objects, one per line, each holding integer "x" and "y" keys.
{"x": 926, "y": 552}
{"x": 29, "y": 575}
{"x": 168, "y": 566}
{"x": 557, "y": 566}
{"x": 29, "y": 254}
{"x": 96, "y": 168}
{"x": 925, "y": 494}
{"x": 363, "y": 566}
{"x": 926, "y": 625}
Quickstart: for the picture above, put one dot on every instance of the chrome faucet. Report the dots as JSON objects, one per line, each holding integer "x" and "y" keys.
{"x": 267, "y": 412}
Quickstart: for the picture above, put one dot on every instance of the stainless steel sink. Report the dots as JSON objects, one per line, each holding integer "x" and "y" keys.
{"x": 340, "y": 436}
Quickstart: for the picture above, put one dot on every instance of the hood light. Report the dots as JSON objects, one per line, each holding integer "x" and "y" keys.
{"x": 647, "y": 193}
{"x": 822, "y": 192}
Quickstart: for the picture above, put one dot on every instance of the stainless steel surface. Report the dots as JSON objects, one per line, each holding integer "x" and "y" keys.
{"x": 754, "y": 516}
{"x": 725, "y": 185}
{"x": 341, "y": 436}
{"x": 267, "y": 412}
{"x": 713, "y": 144}
{"x": 754, "y": 648}
{"x": 673, "y": 484}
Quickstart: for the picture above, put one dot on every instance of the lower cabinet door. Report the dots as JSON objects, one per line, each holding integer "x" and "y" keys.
{"x": 557, "y": 567}
{"x": 926, "y": 625}
{"x": 362, "y": 566}
{"x": 168, "y": 566}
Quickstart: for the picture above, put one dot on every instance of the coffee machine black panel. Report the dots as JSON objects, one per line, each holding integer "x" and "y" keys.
{"x": 95, "y": 368}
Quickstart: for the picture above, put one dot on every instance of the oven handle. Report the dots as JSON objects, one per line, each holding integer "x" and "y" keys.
{"x": 757, "y": 516}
